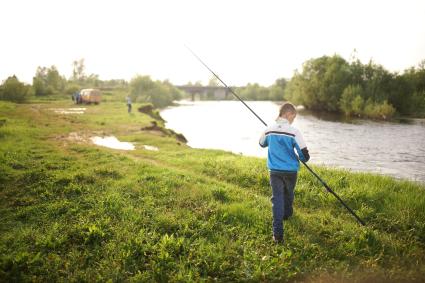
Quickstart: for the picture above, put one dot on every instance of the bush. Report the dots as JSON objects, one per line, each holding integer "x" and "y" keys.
{"x": 15, "y": 91}
{"x": 351, "y": 101}
{"x": 357, "y": 105}
{"x": 379, "y": 110}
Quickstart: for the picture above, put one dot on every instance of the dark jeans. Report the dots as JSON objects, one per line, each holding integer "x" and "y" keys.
{"x": 283, "y": 186}
{"x": 129, "y": 108}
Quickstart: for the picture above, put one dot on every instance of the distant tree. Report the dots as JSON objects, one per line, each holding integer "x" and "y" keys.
{"x": 54, "y": 79}
{"x": 176, "y": 94}
{"x": 332, "y": 84}
{"x": 213, "y": 82}
{"x": 114, "y": 83}
{"x": 321, "y": 83}
{"x": 351, "y": 100}
{"x": 13, "y": 90}
{"x": 78, "y": 70}
{"x": 377, "y": 82}
{"x": 48, "y": 81}
{"x": 72, "y": 88}
{"x": 282, "y": 82}
{"x": 39, "y": 86}
{"x": 277, "y": 90}
{"x": 254, "y": 92}
{"x": 39, "y": 82}
{"x": 92, "y": 80}
{"x": 160, "y": 94}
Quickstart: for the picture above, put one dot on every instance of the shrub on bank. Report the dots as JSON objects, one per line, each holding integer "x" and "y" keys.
{"x": 382, "y": 110}
{"x": 352, "y": 103}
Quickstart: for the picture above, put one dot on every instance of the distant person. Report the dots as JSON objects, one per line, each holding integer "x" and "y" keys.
{"x": 128, "y": 104}
{"x": 78, "y": 98}
{"x": 282, "y": 141}
{"x": 75, "y": 97}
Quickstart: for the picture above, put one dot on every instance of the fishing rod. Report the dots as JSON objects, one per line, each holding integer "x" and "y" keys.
{"x": 265, "y": 124}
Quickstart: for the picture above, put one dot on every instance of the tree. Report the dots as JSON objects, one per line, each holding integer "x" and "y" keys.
{"x": 320, "y": 84}
{"x": 254, "y": 92}
{"x": 277, "y": 90}
{"x": 282, "y": 82}
{"x": 351, "y": 101}
{"x": 78, "y": 69}
{"x": 15, "y": 91}
{"x": 48, "y": 81}
{"x": 377, "y": 82}
{"x": 160, "y": 94}
{"x": 39, "y": 86}
{"x": 213, "y": 82}
{"x": 54, "y": 79}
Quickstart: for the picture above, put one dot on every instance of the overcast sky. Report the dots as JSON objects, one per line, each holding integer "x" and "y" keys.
{"x": 243, "y": 41}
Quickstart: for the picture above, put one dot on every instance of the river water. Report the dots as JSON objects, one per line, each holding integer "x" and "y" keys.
{"x": 395, "y": 149}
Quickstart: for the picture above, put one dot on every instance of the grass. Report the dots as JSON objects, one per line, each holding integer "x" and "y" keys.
{"x": 72, "y": 211}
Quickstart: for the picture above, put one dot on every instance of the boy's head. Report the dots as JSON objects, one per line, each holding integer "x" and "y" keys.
{"x": 288, "y": 112}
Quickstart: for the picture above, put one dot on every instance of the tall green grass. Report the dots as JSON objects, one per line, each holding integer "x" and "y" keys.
{"x": 72, "y": 211}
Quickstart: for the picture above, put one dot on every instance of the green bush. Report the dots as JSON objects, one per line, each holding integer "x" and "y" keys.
{"x": 351, "y": 101}
{"x": 160, "y": 94}
{"x": 357, "y": 105}
{"x": 382, "y": 110}
{"x": 15, "y": 91}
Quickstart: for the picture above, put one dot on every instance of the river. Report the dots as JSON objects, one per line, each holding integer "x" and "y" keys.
{"x": 395, "y": 149}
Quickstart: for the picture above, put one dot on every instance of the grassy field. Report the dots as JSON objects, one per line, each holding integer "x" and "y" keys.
{"x": 74, "y": 211}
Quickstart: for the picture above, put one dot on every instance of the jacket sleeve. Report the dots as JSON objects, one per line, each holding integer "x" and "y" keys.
{"x": 301, "y": 147}
{"x": 263, "y": 140}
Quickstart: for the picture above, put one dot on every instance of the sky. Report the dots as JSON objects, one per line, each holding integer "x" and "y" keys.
{"x": 242, "y": 41}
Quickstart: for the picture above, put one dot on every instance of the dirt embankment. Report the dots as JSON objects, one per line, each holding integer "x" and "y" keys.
{"x": 149, "y": 110}
{"x": 154, "y": 113}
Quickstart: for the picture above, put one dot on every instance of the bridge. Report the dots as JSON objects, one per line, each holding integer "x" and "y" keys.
{"x": 210, "y": 92}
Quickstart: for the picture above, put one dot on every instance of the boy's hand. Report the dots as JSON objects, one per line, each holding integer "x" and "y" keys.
{"x": 306, "y": 155}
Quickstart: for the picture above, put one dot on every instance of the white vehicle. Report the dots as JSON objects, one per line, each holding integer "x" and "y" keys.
{"x": 90, "y": 95}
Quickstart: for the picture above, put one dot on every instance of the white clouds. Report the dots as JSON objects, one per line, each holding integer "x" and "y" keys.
{"x": 244, "y": 41}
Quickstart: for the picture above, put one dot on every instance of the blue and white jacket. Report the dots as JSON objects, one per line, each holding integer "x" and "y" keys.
{"x": 283, "y": 140}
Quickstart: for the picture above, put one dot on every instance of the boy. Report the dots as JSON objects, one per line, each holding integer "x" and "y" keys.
{"x": 282, "y": 140}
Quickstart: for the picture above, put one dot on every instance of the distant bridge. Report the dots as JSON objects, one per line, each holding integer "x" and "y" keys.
{"x": 210, "y": 92}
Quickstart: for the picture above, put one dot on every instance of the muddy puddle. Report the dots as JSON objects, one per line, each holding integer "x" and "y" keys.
{"x": 103, "y": 140}
{"x": 150, "y": 147}
{"x": 72, "y": 110}
{"x": 112, "y": 142}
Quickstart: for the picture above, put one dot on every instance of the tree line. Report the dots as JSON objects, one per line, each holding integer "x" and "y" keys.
{"x": 251, "y": 91}
{"x": 332, "y": 84}
{"x": 327, "y": 83}
{"x": 48, "y": 82}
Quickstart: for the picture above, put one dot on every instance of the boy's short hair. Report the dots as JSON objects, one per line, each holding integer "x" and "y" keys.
{"x": 287, "y": 107}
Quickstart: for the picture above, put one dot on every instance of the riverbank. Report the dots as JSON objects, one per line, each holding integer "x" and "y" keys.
{"x": 356, "y": 145}
{"x": 74, "y": 211}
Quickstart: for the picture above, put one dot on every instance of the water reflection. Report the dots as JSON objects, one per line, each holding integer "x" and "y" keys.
{"x": 395, "y": 149}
